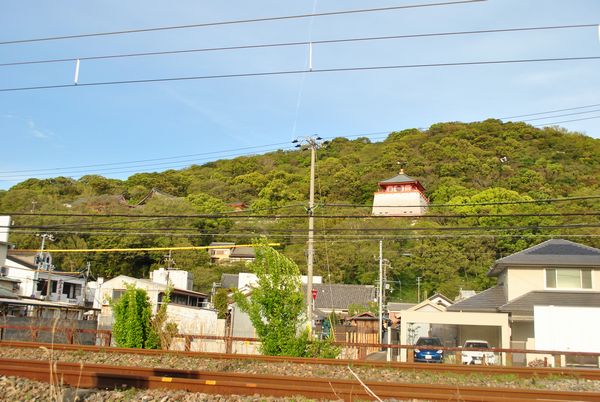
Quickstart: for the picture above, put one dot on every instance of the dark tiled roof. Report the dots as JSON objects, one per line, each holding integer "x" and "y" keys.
{"x": 156, "y": 193}
{"x": 524, "y": 304}
{"x": 339, "y": 297}
{"x": 487, "y": 301}
{"x": 243, "y": 252}
{"x": 555, "y": 252}
{"x": 26, "y": 259}
{"x": 399, "y": 306}
{"x": 229, "y": 281}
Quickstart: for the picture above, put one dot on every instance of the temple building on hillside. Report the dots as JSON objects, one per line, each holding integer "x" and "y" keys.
{"x": 399, "y": 196}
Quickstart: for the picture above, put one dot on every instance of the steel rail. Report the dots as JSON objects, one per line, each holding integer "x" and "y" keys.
{"x": 525, "y": 372}
{"x": 109, "y": 377}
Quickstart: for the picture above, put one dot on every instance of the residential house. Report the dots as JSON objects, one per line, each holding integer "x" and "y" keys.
{"x": 66, "y": 287}
{"x": 437, "y": 303}
{"x": 334, "y": 297}
{"x": 222, "y": 252}
{"x": 557, "y": 273}
{"x": 190, "y": 310}
{"x": 24, "y": 286}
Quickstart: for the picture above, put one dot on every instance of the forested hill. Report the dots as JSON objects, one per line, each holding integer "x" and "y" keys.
{"x": 457, "y": 163}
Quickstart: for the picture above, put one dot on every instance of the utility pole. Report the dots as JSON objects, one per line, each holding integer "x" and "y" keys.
{"x": 418, "y": 289}
{"x": 88, "y": 265}
{"x": 380, "y": 291}
{"x": 312, "y": 143}
{"x": 44, "y": 260}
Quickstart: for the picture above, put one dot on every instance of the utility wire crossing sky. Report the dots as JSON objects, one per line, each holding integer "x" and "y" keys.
{"x": 330, "y": 68}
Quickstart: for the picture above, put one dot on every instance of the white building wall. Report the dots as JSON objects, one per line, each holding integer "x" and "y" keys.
{"x": 105, "y": 292}
{"x": 193, "y": 320}
{"x": 24, "y": 274}
{"x": 179, "y": 278}
{"x": 190, "y": 320}
{"x": 413, "y": 203}
{"x": 28, "y": 285}
{"x": 246, "y": 279}
{"x": 567, "y": 328}
{"x": 4, "y": 224}
{"x": 522, "y": 281}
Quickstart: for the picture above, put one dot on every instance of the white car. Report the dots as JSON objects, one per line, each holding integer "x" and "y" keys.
{"x": 474, "y": 352}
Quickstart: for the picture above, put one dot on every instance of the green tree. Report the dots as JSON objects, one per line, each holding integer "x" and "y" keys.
{"x": 132, "y": 313}
{"x": 220, "y": 302}
{"x": 276, "y": 308}
{"x": 163, "y": 331}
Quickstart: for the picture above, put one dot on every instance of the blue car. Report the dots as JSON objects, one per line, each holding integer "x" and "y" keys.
{"x": 426, "y": 350}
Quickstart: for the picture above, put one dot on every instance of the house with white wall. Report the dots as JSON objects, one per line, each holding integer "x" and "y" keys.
{"x": 25, "y": 282}
{"x": 66, "y": 287}
{"x": 555, "y": 273}
{"x": 437, "y": 303}
{"x": 190, "y": 310}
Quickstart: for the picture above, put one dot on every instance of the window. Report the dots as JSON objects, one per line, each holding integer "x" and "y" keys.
{"x": 117, "y": 294}
{"x": 568, "y": 278}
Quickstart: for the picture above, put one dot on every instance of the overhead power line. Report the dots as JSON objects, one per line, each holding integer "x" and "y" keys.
{"x": 287, "y": 44}
{"x": 106, "y": 225}
{"x": 222, "y": 215}
{"x": 562, "y": 115}
{"x": 566, "y": 121}
{"x": 536, "y": 201}
{"x": 163, "y": 165}
{"x": 327, "y": 237}
{"x": 234, "y": 22}
{"x": 550, "y": 111}
{"x": 324, "y": 236}
{"x": 302, "y": 71}
{"x": 176, "y": 163}
{"x": 143, "y": 160}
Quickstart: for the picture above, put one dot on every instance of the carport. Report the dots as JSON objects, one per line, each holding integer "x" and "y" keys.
{"x": 460, "y": 319}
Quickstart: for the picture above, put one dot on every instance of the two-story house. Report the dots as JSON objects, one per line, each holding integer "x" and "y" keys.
{"x": 557, "y": 273}
{"x": 190, "y": 310}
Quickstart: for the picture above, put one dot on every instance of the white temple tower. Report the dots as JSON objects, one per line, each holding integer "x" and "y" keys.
{"x": 399, "y": 196}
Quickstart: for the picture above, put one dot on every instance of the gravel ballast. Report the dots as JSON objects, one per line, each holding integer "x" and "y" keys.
{"x": 16, "y": 389}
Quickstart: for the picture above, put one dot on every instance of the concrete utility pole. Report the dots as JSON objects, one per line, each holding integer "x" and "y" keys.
{"x": 312, "y": 143}
{"x": 44, "y": 261}
{"x": 418, "y": 289}
{"x": 380, "y": 291}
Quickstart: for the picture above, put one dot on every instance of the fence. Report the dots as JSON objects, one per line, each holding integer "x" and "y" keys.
{"x": 80, "y": 332}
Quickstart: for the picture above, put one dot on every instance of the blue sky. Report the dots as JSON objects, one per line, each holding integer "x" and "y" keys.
{"x": 105, "y": 129}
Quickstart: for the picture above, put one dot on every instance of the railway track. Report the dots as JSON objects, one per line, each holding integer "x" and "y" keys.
{"x": 82, "y": 375}
{"x": 525, "y": 372}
